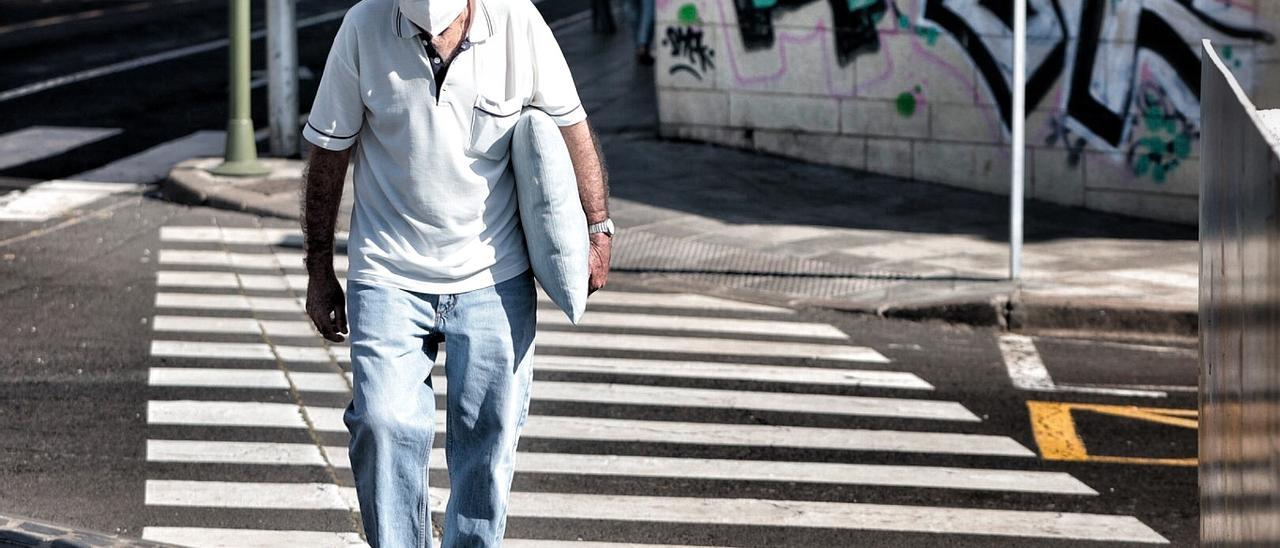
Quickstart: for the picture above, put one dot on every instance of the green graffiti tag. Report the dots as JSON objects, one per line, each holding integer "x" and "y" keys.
{"x": 906, "y": 104}
{"x": 688, "y": 15}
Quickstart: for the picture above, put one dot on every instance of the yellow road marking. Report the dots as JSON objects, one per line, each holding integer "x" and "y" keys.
{"x": 1055, "y": 430}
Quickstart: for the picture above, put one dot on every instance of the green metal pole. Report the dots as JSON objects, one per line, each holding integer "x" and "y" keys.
{"x": 241, "y": 157}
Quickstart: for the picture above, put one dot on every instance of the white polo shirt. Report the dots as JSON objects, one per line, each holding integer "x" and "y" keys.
{"x": 435, "y": 203}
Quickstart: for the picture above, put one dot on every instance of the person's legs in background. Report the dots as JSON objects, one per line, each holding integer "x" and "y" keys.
{"x": 642, "y": 26}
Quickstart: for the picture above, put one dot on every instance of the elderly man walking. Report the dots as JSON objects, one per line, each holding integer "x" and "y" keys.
{"x": 426, "y": 94}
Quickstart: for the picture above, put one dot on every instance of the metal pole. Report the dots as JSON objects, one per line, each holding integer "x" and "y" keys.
{"x": 282, "y": 76}
{"x": 241, "y": 157}
{"x": 1019, "y": 118}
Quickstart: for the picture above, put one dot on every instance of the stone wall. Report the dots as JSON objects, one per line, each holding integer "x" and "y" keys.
{"x": 921, "y": 88}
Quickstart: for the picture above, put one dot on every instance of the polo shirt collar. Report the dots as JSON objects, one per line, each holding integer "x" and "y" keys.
{"x": 481, "y": 24}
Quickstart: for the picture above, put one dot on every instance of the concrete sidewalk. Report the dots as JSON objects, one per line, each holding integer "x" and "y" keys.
{"x": 736, "y": 223}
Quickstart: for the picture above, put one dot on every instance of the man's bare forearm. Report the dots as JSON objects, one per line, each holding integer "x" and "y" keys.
{"x": 322, "y": 181}
{"x": 588, "y": 164}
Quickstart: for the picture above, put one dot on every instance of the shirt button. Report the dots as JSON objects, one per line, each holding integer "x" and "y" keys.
{"x": 435, "y": 60}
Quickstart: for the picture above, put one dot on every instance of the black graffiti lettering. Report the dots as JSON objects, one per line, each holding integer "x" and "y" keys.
{"x": 854, "y": 27}
{"x": 687, "y": 46}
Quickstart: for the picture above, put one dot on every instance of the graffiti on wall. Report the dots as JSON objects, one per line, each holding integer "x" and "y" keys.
{"x": 1121, "y": 75}
{"x": 689, "y": 52}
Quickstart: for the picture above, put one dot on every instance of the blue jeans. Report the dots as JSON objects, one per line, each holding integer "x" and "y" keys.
{"x": 642, "y": 21}
{"x": 395, "y": 335}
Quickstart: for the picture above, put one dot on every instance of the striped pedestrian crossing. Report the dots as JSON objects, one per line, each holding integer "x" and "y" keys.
{"x": 936, "y": 477}
{"x": 644, "y": 390}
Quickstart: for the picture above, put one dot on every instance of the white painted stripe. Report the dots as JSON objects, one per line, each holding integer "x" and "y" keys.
{"x": 827, "y": 515}
{"x": 329, "y": 419}
{"x": 692, "y": 510}
{"x": 212, "y": 350}
{"x": 51, "y": 199}
{"x": 673, "y": 300}
{"x": 625, "y": 430}
{"x": 257, "y": 261}
{"x": 700, "y": 345}
{"x": 1023, "y": 363}
{"x": 232, "y": 494}
{"x": 732, "y": 371}
{"x": 239, "y": 351}
{"x": 737, "y": 326}
{"x": 240, "y": 326}
{"x": 234, "y": 280}
{"x": 1027, "y": 371}
{"x": 220, "y": 280}
{"x": 267, "y": 379}
{"x": 235, "y": 235}
{"x": 206, "y": 537}
{"x": 37, "y": 142}
{"x": 935, "y": 477}
{"x": 202, "y": 301}
{"x": 670, "y": 396}
{"x": 113, "y": 68}
{"x": 602, "y": 393}
{"x": 219, "y": 413}
{"x": 237, "y": 452}
{"x": 154, "y": 164}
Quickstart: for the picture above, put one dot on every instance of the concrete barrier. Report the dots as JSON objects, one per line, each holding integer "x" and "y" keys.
{"x": 1239, "y": 314}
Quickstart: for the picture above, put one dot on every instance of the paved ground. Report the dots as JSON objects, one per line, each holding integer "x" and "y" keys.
{"x": 160, "y": 369}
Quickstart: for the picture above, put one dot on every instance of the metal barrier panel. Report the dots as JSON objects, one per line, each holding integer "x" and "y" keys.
{"x": 1239, "y": 316}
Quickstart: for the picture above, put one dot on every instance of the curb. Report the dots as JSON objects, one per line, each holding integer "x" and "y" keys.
{"x": 190, "y": 183}
{"x": 24, "y": 532}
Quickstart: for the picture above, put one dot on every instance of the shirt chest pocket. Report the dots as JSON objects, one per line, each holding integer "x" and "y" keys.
{"x": 491, "y": 124}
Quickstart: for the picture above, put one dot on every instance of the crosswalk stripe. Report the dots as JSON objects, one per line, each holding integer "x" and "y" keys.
{"x": 329, "y": 419}
{"x": 271, "y": 379}
{"x": 243, "y": 326}
{"x": 204, "y": 324}
{"x": 665, "y": 396}
{"x": 691, "y": 510}
{"x": 732, "y": 371}
{"x": 238, "y": 452}
{"x": 738, "y": 326}
{"x": 826, "y": 515}
{"x": 51, "y": 199}
{"x": 246, "y": 414}
{"x": 208, "y": 537}
{"x": 201, "y": 301}
{"x": 700, "y": 345}
{"x": 235, "y": 235}
{"x": 221, "y": 280}
{"x": 38, "y": 142}
{"x": 674, "y": 300}
{"x": 755, "y": 400}
{"x": 153, "y": 164}
{"x": 931, "y": 477}
{"x": 242, "y": 351}
{"x": 228, "y": 259}
{"x": 233, "y": 494}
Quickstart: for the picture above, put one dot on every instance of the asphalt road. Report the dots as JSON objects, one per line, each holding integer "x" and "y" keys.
{"x": 122, "y": 340}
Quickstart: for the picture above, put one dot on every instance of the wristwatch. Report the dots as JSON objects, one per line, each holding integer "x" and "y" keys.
{"x": 605, "y": 226}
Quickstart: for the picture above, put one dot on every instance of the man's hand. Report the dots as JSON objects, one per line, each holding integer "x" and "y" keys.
{"x": 327, "y": 305}
{"x": 598, "y": 261}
